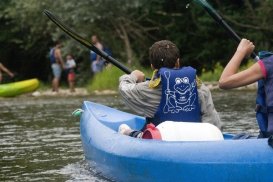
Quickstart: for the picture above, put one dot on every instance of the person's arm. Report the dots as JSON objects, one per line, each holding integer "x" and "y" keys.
{"x": 231, "y": 78}
{"x": 3, "y": 68}
{"x": 137, "y": 95}
{"x": 128, "y": 85}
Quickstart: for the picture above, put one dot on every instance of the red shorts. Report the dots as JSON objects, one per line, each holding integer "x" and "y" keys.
{"x": 71, "y": 76}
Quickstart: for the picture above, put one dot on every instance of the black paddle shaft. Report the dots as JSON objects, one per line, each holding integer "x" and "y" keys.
{"x": 222, "y": 22}
{"x": 86, "y": 43}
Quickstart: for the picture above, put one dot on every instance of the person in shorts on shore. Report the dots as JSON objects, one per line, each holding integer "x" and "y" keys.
{"x": 57, "y": 65}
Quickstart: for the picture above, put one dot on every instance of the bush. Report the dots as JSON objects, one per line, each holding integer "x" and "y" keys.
{"x": 105, "y": 80}
{"x": 108, "y": 79}
{"x": 212, "y": 75}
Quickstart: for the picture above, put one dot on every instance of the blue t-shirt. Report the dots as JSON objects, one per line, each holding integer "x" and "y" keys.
{"x": 93, "y": 56}
{"x": 52, "y": 56}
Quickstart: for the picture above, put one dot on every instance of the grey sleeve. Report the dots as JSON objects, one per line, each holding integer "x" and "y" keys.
{"x": 138, "y": 96}
{"x": 208, "y": 111}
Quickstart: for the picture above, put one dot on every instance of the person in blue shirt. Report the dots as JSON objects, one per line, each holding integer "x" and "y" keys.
{"x": 97, "y": 62}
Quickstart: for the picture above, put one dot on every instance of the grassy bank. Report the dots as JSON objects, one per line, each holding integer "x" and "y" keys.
{"x": 108, "y": 79}
{"x": 105, "y": 80}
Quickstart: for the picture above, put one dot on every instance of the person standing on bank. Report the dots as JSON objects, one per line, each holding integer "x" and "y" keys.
{"x": 97, "y": 62}
{"x": 70, "y": 66}
{"x": 57, "y": 65}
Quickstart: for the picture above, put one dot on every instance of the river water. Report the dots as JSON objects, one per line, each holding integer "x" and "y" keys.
{"x": 40, "y": 141}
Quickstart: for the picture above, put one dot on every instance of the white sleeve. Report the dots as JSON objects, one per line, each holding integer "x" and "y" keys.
{"x": 73, "y": 63}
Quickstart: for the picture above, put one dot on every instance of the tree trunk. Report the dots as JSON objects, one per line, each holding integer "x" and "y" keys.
{"x": 127, "y": 44}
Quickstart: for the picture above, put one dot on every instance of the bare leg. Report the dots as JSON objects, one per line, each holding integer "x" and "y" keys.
{"x": 72, "y": 86}
{"x": 55, "y": 84}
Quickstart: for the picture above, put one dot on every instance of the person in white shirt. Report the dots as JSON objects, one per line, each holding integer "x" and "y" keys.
{"x": 70, "y": 66}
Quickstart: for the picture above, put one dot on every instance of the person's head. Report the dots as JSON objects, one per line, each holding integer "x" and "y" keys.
{"x": 95, "y": 39}
{"x": 58, "y": 44}
{"x": 69, "y": 57}
{"x": 164, "y": 53}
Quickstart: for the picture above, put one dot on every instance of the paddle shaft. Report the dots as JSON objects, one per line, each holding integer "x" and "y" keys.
{"x": 222, "y": 22}
{"x": 86, "y": 43}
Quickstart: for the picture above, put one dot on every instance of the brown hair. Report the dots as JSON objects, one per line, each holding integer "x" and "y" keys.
{"x": 163, "y": 53}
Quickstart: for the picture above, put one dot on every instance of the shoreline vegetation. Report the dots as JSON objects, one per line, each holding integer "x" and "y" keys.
{"x": 108, "y": 78}
{"x": 106, "y": 82}
{"x": 127, "y": 32}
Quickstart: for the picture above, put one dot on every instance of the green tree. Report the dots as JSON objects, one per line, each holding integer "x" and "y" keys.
{"x": 129, "y": 28}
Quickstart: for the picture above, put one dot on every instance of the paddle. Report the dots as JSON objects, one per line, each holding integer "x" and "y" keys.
{"x": 86, "y": 43}
{"x": 166, "y": 107}
{"x": 222, "y": 22}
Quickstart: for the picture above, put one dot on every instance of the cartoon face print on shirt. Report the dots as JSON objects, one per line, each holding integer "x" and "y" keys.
{"x": 182, "y": 89}
{"x": 181, "y": 97}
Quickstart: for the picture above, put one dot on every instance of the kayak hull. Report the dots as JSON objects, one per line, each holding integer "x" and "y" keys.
{"x": 124, "y": 158}
{"x": 17, "y": 88}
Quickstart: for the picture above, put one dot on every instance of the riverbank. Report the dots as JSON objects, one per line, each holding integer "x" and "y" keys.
{"x": 64, "y": 92}
{"x": 108, "y": 79}
{"x": 106, "y": 83}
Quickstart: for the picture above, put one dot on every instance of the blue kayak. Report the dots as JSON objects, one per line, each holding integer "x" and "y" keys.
{"x": 123, "y": 158}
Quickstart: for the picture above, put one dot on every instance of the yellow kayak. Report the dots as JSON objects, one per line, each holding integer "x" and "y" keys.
{"x": 17, "y": 88}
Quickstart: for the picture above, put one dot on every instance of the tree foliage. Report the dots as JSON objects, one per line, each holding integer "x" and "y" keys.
{"x": 129, "y": 28}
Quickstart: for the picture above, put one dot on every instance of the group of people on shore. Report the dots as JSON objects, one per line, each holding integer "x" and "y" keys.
{"x": 69, "y": 65}
{"x": 60, "y": 66}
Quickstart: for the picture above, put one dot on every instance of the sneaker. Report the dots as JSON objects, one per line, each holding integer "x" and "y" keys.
{"x": 124, "y": 129}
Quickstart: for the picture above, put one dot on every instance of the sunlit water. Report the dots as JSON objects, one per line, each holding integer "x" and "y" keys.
{"x": 40, "y": 140}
